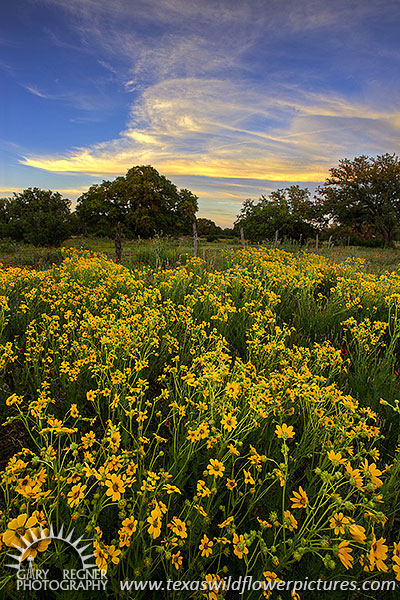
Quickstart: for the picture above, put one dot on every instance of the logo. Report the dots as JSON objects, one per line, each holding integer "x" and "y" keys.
{"x": 87, "y": 577}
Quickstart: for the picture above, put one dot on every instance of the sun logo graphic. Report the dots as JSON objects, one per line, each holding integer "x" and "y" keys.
{"x": 87, "y": 577}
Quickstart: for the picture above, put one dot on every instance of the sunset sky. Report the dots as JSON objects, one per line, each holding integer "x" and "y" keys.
{"x": 229, "y": 98}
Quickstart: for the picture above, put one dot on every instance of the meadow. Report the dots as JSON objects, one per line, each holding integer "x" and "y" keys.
{"x": 162, "y": 251}
{"x": 198, "y": 419}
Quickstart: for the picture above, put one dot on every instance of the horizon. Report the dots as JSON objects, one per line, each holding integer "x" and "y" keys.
{"x": 231, "y": 100}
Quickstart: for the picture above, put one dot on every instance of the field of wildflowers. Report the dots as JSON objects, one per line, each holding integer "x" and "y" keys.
{"x": 192, "y": 423}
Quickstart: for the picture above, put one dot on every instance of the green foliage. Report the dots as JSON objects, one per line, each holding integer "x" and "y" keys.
{"x": 144, "y": 201}
{"x": 290, "y": 211}
{"x": 364, "y": 193}
{"x": 229, "y": 232}
{"x": 207, "y": 228}
{"x": 35, "y": 216}
{"x": 3, "y": 218}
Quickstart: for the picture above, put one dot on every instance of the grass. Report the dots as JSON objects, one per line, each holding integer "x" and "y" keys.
{"x": 168, "y": 252}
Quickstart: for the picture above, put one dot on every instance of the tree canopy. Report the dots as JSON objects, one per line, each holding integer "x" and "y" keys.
{"x": 144, "y": 201}
{"x": 289, "y": 210}
{"x": 364, "y": 194}
{"x": 207, "y": 227}
{"x": 35, "y": 216}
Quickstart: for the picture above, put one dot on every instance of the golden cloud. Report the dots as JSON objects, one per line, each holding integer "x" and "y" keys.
{"x": 216, "y": 129}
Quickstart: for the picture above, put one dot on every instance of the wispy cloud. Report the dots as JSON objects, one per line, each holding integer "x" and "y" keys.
{"x": 36, "y": 92}
{"x": 77, "y": 99}
{"x": 217, "y": 128}
{"x": 217, "y": 93}
{"x": 64, "y": 191}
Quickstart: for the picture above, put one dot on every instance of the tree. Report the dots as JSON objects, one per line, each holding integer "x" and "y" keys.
{"x": 3, "y": 218}
{"x": 144, "y": 201}
{"x": 185, "y": 211}
{"x": 93, "y": 209}
{"x": 207, "y": 227}
{"x": 364, "y": 193}
{"x": 288, "y": 210}
{"x": 228, "y": 232}
{"x": 39, "y": 217}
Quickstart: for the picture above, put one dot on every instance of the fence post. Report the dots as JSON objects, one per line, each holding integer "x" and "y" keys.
{"x": 301, "y": 240}
{"x": 329, "y": 242}
{"x": 276, "y": 237}
{"x": 195, "y": 240}
{"x": 316, "y": 242}
{"x": 118, "y": 243}
{"x": 348, "y": 241}
{"x": 242, "y": 238}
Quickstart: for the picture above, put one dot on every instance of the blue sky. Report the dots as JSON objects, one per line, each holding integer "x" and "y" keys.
{"x": 228, "y": 98}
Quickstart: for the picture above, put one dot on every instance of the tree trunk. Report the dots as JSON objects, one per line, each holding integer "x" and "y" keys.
{"x": 118, "y": 244}
{"x": 387, "y": 237}
{"x": 386, "y": 229}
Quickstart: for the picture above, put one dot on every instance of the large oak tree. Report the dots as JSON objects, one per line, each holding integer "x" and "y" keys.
{"x": 144, "y": 201}
{"x": 364, "y": 192}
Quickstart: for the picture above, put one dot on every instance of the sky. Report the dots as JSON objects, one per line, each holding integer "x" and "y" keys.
{"x": 228, "y": 98}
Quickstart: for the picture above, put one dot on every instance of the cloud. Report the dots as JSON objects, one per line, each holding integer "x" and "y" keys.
{"x": 7, "y": 192}
{"x": 36, "y": 92}
{"x": 85, "y": 102}
{"x": 222, "y": 91}
{"x": 215, "y": 128}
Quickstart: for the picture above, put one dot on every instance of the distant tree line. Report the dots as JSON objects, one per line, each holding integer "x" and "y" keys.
{"x": 289, "y": 211}
{"x": 208, "y": 229}
{"x": 360, "y": 200}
